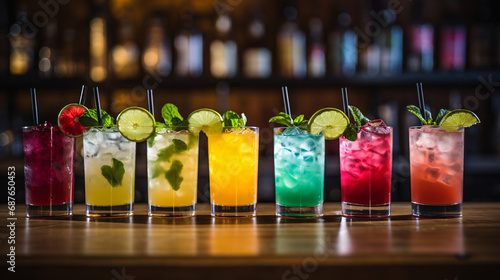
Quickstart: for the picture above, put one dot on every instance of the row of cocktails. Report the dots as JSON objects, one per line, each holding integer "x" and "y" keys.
{"x": 436, "y": 161}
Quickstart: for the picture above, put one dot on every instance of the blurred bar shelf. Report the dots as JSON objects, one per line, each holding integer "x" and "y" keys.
{"x": 439, "y": 79}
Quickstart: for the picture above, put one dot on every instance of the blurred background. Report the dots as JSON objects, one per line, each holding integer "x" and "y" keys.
{"x": 236, "y": 55}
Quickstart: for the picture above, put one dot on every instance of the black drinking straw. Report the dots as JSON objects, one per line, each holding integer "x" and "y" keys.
{"x": 286, "y": 101}
{"x": 421, "y": 102}
{"x": 345, "y": 102}
{"x": 150, "y": 102}
{"x": 34, "y": 106}
{"x": 98, "y": 105}
{"x": 83, "y": 95}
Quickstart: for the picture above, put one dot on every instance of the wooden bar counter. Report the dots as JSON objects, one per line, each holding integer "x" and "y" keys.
{"x": 265, "y": 247}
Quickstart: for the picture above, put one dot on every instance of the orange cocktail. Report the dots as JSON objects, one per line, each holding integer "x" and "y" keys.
{"x": 436, "y": 162}
{"x": 233, "y": 163}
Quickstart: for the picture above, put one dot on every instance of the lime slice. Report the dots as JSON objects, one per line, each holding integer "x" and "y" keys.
{"x": 457, "y": 119}
{"x": 331, "y": 122}
{"x": 206, "y": 120}
{"x": 136, "y": 124}
{"x": 68, "y": 120}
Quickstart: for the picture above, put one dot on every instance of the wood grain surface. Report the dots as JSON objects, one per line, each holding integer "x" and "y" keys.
{"x": 267, "y": 247}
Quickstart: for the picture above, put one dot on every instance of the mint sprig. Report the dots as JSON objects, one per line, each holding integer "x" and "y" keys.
{"x": 428, "y": 116}
{"x": 285, "y": 119}
{"x": 359, "y": 118}
{"x": 89, "y": 119}
{"x": 172, "y": 117}
{"x": 113, "y": 174}
{"x": 232, "y": 119}
{"x": 173, "y": 175}
{"x": 177, "y": 146}
{"x": 350, "y": 133}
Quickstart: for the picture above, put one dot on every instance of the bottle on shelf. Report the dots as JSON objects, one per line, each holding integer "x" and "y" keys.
{"x": 390, "y": 41}
{"x": 189, "y": 47}
{"x": 47, "y": 55}
{"x": 291, "y": 46}
{"x": 316, "y": 49}
{"x": 157, "y": 54}
{"x": 223, "y": 50}
{"x": 22, "y": 41}
{"x": 125, "y": 54}
{"x": 343, "y": 47}
{"x": 66, "y": 66}
{"x": 4, "y": 44}
{"x": 257, "y": 57}
{"x": 481, "y": 41}
{"x": 420, "y": 40}
{"x": 452, "y": 39}
{"x": 98, "y": 49}
{"x": 368, "y": 46}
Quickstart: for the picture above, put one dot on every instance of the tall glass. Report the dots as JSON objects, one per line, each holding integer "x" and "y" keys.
{"x": 48, "y": 171}
{"x": 109, "y": 172}
{"x": 172, "y": 173}
{"x": 365, "y": 173}
{"x": 233, "y": 163}
{"x": 436, "y": 168}
{"x": 299, "y": 172}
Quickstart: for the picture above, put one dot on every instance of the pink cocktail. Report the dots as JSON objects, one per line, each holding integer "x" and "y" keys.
{"x": 365, "y": 173}
{"x": 48, "y": 171}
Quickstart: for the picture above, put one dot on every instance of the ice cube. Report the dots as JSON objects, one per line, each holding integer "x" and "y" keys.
{"x": 431, "y": 157}
{"x": 292, "y": 131}
{"x": 446, "y": 179}
{"x": 308, "y": 145}
{"x": 308, "y": 158}
{"x": 427, "y": 141}
{"x": 291, "y": 180}
{"x": 445, "y": 144}
{"x": 455, "y": 169}
{"x": 432, "y": 128}
{"x": 353, "y": 165}
{"x": 432, "y": 173}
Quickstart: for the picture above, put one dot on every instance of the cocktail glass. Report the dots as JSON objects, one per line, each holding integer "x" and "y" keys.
{"x": 233, "y": 164}
{"x": 365, "y": 173}
{"x": 109, "y": 172}
{"x": 436, "y": 168}
{"x": 299, "y": 172}
{"x": 48, "y": 170}
{"x": 172, "y": 172}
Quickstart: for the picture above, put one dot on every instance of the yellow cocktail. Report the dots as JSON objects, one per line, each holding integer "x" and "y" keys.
{"x": 233, "y": 164}
{"x": 172, "y": 173}
{"x": 109, "y": 172}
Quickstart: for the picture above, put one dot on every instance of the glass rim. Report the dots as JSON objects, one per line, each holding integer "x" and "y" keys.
{"x": 31, "y": 126}
{"x": 102, "y": 127}
{"x": 419, "y": 127}
{"x": 241, "y": 127}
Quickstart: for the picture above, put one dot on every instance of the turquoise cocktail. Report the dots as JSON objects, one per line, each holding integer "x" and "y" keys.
{"x": 299, "y": 172}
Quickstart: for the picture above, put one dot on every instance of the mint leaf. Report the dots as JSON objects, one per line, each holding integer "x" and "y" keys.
{"x": 243, "y": 120}
{"x": 114, "y": 174}
{"x": 441, "y": 114}
{"x": 107, "y": 120}
{"x": 173, "y": 175}
{"x": 177, "y": 146}
{"x": 359, "y": 118}
{"x": 350, "y": 133}
{"x": 159, "y": 125}
{"x": 416, "y": 111}
{"x": 169, "y": 111}
{"x": 231, "y": 119}
{"x": 89, "y": 118}
{"x": 299, "y": 121}
{"x": 156, "y": 170}
{"x": 177, "y": 122}
{"x": 428, "y": 116}
{"x": 282, "y": 118}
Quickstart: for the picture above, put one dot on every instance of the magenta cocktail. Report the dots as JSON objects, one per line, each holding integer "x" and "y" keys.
{"x": 48, "y": 171}
{"x": 365, "y": 173}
